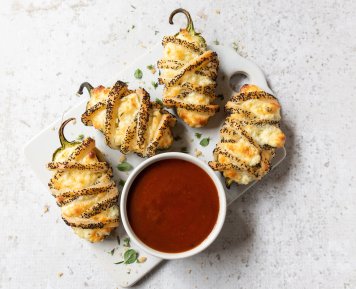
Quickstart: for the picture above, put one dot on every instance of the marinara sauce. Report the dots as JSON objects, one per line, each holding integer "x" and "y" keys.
{"x": 172, "y": 205}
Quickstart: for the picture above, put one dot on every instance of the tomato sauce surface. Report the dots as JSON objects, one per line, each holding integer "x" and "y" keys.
{"x": 172, "y": 205}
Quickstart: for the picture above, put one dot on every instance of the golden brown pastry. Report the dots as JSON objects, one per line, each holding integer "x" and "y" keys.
{"x": 128, "y": 119}
{"x": 188, "y": 72}
{"x": 83, "y": 188}
{"x": 249, "y": 136}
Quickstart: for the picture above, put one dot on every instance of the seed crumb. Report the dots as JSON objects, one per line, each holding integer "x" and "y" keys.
{"x": 122, "y": 158}
{"x": 190, "y": 271}
{"x": 60, "y": 274}
{"x": 142, "y": 259}
{"x": 198, "y": 153}
{"x": 217, "y": 11}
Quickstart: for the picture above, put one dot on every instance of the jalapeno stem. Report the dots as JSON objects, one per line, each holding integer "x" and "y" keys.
{"x": 190, "y": 25}
{"x": 86, "y": 85}
{"x": 62, "y": 138}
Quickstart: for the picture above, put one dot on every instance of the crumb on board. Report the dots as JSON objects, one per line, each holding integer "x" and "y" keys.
{"x": 122, "y": 158}
{"x": 142, "y": 259}
{"x": 59, "y": 274}
{"x": 190, "y": 271}
{"x": 198, "y": 153}
{"x": 142, "y": 45}
{"x": 201, "y": 14}
{"x": 45, "y": 209}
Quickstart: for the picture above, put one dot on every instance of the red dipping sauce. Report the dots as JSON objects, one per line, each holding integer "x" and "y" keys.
{"x": 172, "y": 205}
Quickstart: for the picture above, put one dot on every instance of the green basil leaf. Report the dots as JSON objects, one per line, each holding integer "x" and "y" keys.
{"x": 205, "y": 142}
{"x": 130, "y": 256}
{"x": 124, "y": 167}
{"x": 138, "y": 73}
{"x": 198, "y": 135}
{"x": 121, "y": 183}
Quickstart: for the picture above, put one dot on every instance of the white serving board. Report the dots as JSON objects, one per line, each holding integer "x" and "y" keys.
{"x": 39, "y": 150}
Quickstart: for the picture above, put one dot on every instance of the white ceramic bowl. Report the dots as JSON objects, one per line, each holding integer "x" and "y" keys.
{"x": 221, "y": 215}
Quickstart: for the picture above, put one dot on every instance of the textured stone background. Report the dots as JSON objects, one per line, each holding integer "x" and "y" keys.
{"x": 296, "y": 229}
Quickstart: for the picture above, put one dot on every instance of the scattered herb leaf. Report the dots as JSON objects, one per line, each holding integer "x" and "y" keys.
{"x": 130, "y": 256}
{"x": 155, "y": 85}
{"x": 119, "y": 262}
{"x": 204, "y": 142}
{"x": 121, "y": 183}
{"x": 151, "y": 68}
{"x": 133, "y": 27}
{"x": 138, "y": 73}
{"x": 118, "y": 240}
{"x": 133, "y": 7}
{"x": 112, "y": 252}
{"x": 159, "y": 101}
{"x": 235, "y": 46}
{"x": 177, "y": 138}
{"x": 216, "y": 42}
{"x": 156, "y": 32}
{"x": 126, "y": 242}
{"x": 124, "y": 167}
{"x": 198, "y": 135}
{"x": 80, "y": 137}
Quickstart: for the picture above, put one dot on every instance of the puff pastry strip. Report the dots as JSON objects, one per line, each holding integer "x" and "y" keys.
{"x": 188, "y": 73}
{"x": 249, "y": 136}
{"x": 128, "y": 119}
{"x": 83, "y": 188}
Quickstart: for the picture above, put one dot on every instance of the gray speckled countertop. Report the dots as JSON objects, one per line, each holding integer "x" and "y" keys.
{"x": 296, "y": 229}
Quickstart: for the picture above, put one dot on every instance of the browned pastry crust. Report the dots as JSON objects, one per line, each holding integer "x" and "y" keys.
{"x": 188, "y": 73}
{"x": 129, "y": 120}
{"x": 249, "y": 136}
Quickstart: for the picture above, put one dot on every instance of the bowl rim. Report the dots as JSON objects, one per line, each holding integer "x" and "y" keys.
{"x": 219, "y": 221}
